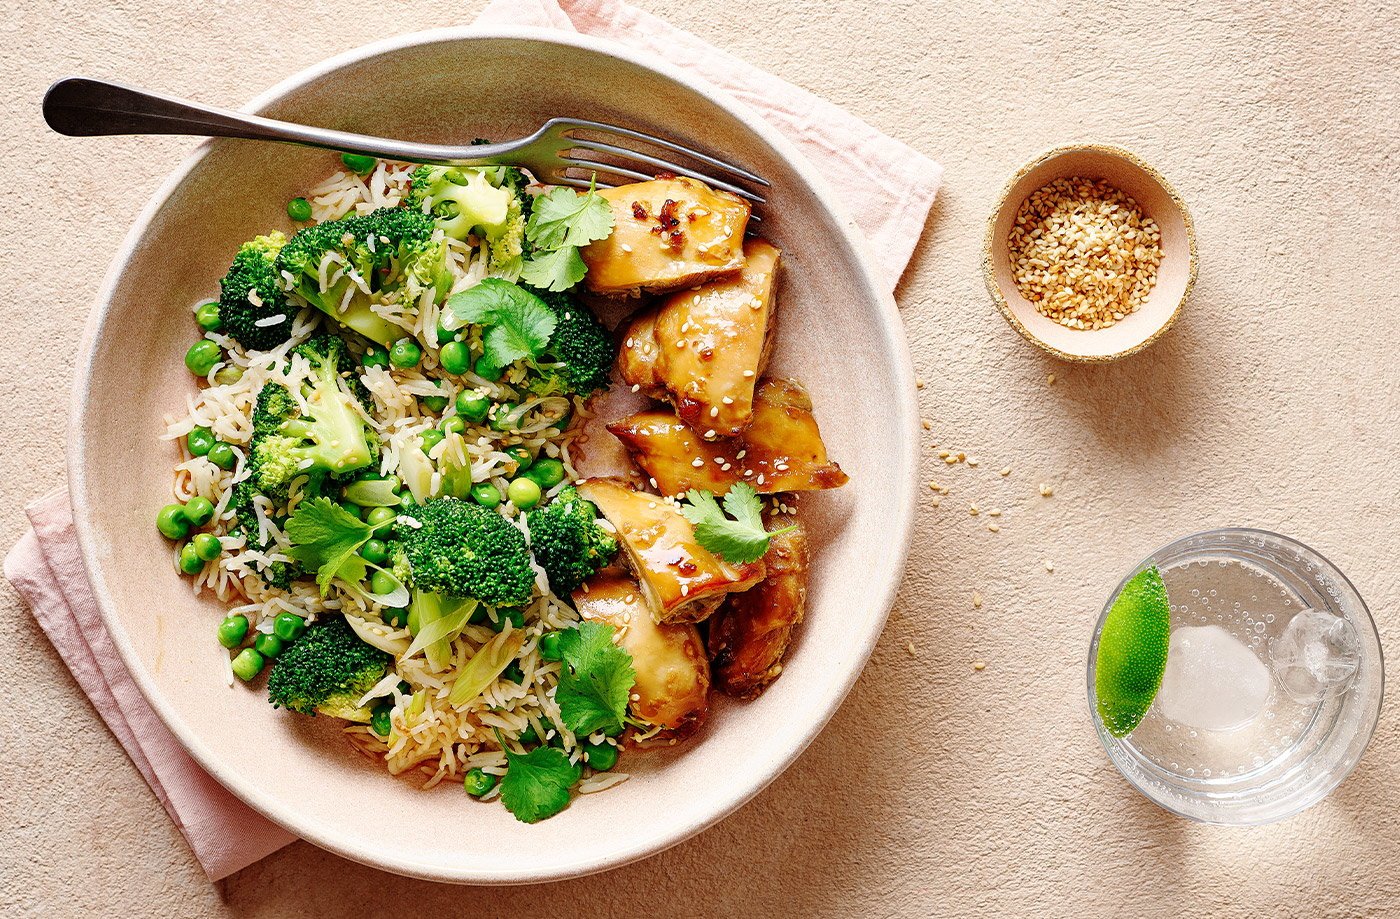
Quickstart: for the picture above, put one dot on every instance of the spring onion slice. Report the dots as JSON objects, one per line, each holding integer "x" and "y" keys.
{"x": 486, "y": 665}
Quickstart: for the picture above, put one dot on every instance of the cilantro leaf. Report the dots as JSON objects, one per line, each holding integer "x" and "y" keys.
{"x": 554, "y": 270}
{"x": 517, "y": 323}
{"x": 536, "y": 784}
{"x": 738, "y": 541}
{"x": 563, "y": 217}
{"x": 325, "y": 538}
{"x": 595, "y": 681}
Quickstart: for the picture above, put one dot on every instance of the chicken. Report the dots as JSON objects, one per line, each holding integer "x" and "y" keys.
{"x": 751, "y": 631}
{"x": 680, "y": 579}
{"x": 667, "y": 233}
{"x": 781, "y": 449}
{"x": 673, "y": 674}
{"x": 704, "y": 349}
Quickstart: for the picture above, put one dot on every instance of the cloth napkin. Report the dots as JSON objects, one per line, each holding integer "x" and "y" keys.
{"x": 886, "y": 186}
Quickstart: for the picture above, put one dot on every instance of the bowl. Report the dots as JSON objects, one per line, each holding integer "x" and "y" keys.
{"x": 1155, "y": 197}
{"x": 300, "y": 772}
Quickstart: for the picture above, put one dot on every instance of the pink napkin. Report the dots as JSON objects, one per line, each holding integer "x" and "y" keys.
{"x": 886, "y": 186}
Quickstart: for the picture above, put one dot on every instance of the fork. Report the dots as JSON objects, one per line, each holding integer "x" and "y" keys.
{"x": 564, "y": 151}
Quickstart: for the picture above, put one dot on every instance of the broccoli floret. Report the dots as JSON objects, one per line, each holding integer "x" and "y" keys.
{"x": 464, "y": 550}
{"x": 326, "y": 671}
{"x": 580, "y": 355}
{"x": 568, "y": 542}
{"x": 391, "y": 253}
{"x": 251, "y": 293}
{"x": 488, "y": 201}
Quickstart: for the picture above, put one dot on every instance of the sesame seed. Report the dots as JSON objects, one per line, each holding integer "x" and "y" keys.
{"x": 979, "y": 665}
{"x": 714, "y": 411}
{"x": 697, "y": 462}
{"x": 741, "y": 454}
{"x": 973, "y": 510}
{"x": 919, "y": 383}
{"x": 994, "y": 528}
{"x": 625, "y": 248}
{"x": 1048, "y": 566}
{"x": 1050, "y": 380}
{"x": 926, "y": 424}
{"x": 748, "y": 373}
{"x": 976, "y": 600}
{"x": 709, "y": 435}
{"x": 685, "y": 590}
{"x": 994, "y": 512}
{"x": 909, "y": 646}
{"x": 1005, "y": 471}
{"x": 727, "y": 401}
{"x": 1045, "y": 490}
{"x": 636, "y": 387}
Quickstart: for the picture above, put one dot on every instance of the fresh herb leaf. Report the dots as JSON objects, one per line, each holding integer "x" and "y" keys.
{"x": 738, "y": 541}
{"x": 563, "y": 217}
{"x": 554, "y": 270}
{"x": 595, "y": 681}
{"x": 517, "y": 324}
{"x": 536, "y": 784}
{"x": 325, "y": 538}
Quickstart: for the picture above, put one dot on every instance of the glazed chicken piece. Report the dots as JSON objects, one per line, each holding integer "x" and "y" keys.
{"x": 681, "y": 581}
{"x": 751, "y": 631}
{"x": 704, "y": 349}
{"x": 667, "y": 233}
{"x": 673, "y": 673}
{"x": 782, "y": 448}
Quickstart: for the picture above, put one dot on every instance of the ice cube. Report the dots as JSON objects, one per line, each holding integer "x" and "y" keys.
{"x": 1316, "y": 656}
{"x": 1213, "y": 681}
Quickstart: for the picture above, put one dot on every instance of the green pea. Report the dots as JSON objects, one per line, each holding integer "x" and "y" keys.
{"x": 487, "y": 370}
{"x": 377, "y": 517}
{"x": 504, "y": 417}
{"x": 375, "y": 552}
{"x": 382, "y": 582}
{"x": 206, "y": 546}
{"x": 396, "y": 617}
{"x": 375, "y": 356}
{"x": 434, "y": 404}
{"x": 248, "y": 664}
{"x": 379, "y": 720}
{"x": 229, "y": 373}
{"x": 529, "y": 736}
{"x": 551, "y": 646}
{"x": 453, "y": 424}
{"x": 431, "y": 438}
{"x": 267, "y": 644}
{"x": 206, "y": 316}
{"x": 478, "y": 783}
{"x": 222, "y": 455}
{"x": 358, "y": 163}
{"x": 523, "y": 493}
{"x": 190, "y": 563}
{"x": 173, "y": 522}
{"x": 406, "y": 498}
{"x": 486, "y": 494}
{"x": 600, "y": 756}
{"x": 233, "y": 630}
{"x": 455, "y": 357}
{"x": 288, "y": 626}
{"x": 512, "y": 614}
{"x": 353, "y": 509}
{"x": 442, "y": 334}
{"x": 202, "y": 357}
{"x": 405, "y": 354}
{"x": 299, "y": 209}
{"x": 547, "y": 471}
{"x": 199, "y": 510}
{"x": 473, "y": 406}
{"x": 199, "y": 440}
{"x": 514, "y": 673}
{"x": 522, "y": 456}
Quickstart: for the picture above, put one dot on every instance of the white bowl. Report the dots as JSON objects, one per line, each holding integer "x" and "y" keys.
{"x": 839, "y": 333}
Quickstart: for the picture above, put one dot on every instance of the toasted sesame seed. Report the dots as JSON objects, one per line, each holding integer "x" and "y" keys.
{"x": 972, "y": 509}
{"x": 976, "y": 600}
{"x": 926, "y": 424}
{"x": 994, "y": 512}
{"x": 1045, "y": 490}
{"x": 994, "y": 528}
{"x": 979, "y": 665}
{"x": 714, "y": 411}
{"x": 1005, "y": 471}
{"x": 748, "y": 373}
{"x": 1049, "y": 566}
{"x": 1050, "y": 380}
{"x": 636, "y": 387}
{"x": 697, "y": 462}
{"x": 919, "y": 383}
{"x": 909, "y": 646}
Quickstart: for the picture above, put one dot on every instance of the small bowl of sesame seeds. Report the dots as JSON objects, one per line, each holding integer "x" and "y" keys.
{"x": 1090, "y": 253}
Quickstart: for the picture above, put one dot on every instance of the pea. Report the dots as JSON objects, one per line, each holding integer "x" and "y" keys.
{"x": 377, "y": 517}
{"x": 358, "y": 163}
{"x": 353, "y": 509}
{"x": 512, "y": 614}
{"x": 199, "y": 510}
{"x": 455, "y": 357}
{"x": 299, "y": 209}
{"x": 405, "y": 354}
{"x": 229, "y": 373}
{"x": 267, "y": 644}
{"x": 442, "y": 334}
{"x": 504, "y": 418}
{"x": 486, "y": 494}
{"x": 222, "y": 455}
{"x": 434, "y": 404}
{"x": 248, "y": 664}
{"x": 522, "y": 456}
{"x": 173, "y": 522}
{"x": 600, "y": 756}
{"x": 547, "y": 471}
{"x": 375, "y": 356}
{"x": 206, "y": 546}
{"x": 551, "y": 646}
{"x": 473, "y": 406}
{"x": 379, "y": 720}
{"x": 529, "y": 736}
{"x": 375, "y": 552}
{"x": 514, "y": 673}
{"x": 206, "y": 316}
{"x": 288, "y": 626}
{"x": 199, "y": 440}
{"x": 431, "y": 438}
{"x": 382, "y": 582}
{"x": 478, "y": 783}
{"x": 202, "y": 357}
{"x": 487, "y": 370}
{"x": 189, "y": 562}
{"x": 233, "y": 630}
{"x": 406, "y": 498}
{"x": 396, "y": 617}
{"x": 523, "y": 493}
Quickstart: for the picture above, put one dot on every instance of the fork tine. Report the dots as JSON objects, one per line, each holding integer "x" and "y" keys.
{"x": 577, "y": 182}
{"x": 661, "y": 166}
{"x": 643, "y": 177}
{"x": 600, "y": 127}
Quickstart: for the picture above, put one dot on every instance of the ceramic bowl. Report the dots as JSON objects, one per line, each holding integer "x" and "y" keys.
{"x": 1154, "y": 196}
{"x": 836, "y": 314}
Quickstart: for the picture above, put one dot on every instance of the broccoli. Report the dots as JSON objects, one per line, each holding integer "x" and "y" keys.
{"x": 326, "y": 671}
{"x": 579, "y": 358}
{"x": 462, "y": 549}
{"x": 385, "y": 256}
{"x": 489, "y": 201}
{"x": 251, "y": 293}
{"x": 568, "y": 542}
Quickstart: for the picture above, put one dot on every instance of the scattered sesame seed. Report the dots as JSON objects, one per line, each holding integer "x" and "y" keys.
{"x": 636, "y": 387}
{"x": 1050, "y": 380}
{"x": 926, "y": 424}
{"x": 994, "y": 512}
{"x": 697, "y": 462}
{"x": 909, "y": 646}
{"x": 937, "y": 500}
{"x": 972, "y": 461}
{"x": 973, "y": 510}
{"x": 976, "y": 600}
{"x": 1045, "y": 490}
{"x": 709, "y": 435}
{"x": 919, "y": 382}
{"x": 727, "y": 401}
{"x": 994, "y": 528}
{"x": 979, "y": 665}
{"x": 685, "y": 590}
{"x": 1048, "y": 566}
{"x": 1005, "y": 471}
{"x": 748, "y": 373}
{"x": 714, "y": 411}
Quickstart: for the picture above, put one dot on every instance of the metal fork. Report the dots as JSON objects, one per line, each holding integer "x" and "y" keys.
{"x": 564, "y": 151}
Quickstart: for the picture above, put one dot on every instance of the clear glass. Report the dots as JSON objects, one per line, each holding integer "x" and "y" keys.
{"x": 1296, "y": 745}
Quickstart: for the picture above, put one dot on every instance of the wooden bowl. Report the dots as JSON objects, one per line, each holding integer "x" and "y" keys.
{"x": 1154, "y": 196}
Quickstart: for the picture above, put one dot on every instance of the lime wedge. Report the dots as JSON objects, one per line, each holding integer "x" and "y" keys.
{"x": 1132, "y": 652}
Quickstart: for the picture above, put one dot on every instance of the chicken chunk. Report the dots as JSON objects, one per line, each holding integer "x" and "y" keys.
{"x": 673, "y": 673}
{"x": 751, "y": 631}
{"x": 680, "y": 579}
{"x": 667, "y": 233}
{"x": 781, "y": 449}
{"x": 704, "y": 349}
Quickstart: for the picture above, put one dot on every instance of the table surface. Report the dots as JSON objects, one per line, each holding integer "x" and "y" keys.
{"x": 1273, "y": 403}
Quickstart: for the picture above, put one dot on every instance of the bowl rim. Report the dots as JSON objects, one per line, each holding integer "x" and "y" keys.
{"x": 1003, "y": 199}
{"x": 899, "y": 520}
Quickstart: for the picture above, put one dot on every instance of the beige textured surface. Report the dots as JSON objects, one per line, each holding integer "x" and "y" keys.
{"x": 1273, "y": 403}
